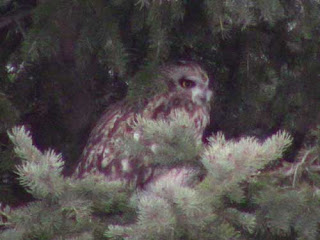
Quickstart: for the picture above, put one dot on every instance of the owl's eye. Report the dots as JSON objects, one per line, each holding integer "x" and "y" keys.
{"x": 186, "y": 83}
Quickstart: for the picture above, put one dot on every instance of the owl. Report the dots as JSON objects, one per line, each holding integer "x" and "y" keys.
{"x": 187, "y": 91}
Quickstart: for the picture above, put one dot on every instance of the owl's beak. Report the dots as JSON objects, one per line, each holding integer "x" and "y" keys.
{"x": 209, "y": 94}
{"x": 202, "y": 97}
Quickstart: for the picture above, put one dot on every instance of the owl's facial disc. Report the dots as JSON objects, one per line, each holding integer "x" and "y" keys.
{"x": 189, "y": 81}
{"x": 201, "y": 95}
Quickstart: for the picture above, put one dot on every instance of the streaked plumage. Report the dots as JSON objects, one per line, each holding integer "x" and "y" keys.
{"x": 188, "y": 91}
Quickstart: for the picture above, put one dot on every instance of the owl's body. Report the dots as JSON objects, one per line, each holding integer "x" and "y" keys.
{"x": 187, "y": 91}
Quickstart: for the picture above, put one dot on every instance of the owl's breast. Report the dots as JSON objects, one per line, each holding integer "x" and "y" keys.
{"x": 164, "y": 106}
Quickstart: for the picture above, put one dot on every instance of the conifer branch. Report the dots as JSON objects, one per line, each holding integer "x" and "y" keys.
{"x": 296, "y": 171}
{"x": 40, "y": 172}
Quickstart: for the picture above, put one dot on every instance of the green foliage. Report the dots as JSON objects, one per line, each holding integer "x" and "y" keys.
{"x": 243, "y": 194}
{"x": 45, "y": 168}
{"x": 164, "y": 143}
{"x": 226, "y": 204}
{"x": 262, "y": 53}
{"x": 291, "y": 209}
{"x": 177, "y": 206}
{"x": 64, "y": 208}
{"x": 230, "y": 163}
{"x": 144, "y": 85}
{"x": 224, "y": 15}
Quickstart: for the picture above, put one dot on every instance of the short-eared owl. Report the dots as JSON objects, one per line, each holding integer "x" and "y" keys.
{"x": 187, "y": 90}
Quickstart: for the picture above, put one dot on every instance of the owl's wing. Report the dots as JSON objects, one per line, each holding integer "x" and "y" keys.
{"x": 100, "y": 154}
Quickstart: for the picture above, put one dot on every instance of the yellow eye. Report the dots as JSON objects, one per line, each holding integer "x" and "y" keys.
{"x": 186, "y": 83}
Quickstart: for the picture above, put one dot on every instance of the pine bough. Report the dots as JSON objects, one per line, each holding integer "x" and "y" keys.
{"x": 227, "y": 189}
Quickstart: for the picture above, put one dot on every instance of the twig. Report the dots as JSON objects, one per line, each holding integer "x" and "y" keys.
{"x": 298, "y": 166}
{"x": 22, "y": 31}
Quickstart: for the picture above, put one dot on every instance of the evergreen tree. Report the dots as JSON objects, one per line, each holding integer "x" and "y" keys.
{"x": 63, "y": 62}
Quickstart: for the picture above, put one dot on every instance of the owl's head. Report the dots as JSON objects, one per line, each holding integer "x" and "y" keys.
{"x": 188, "y": 79}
